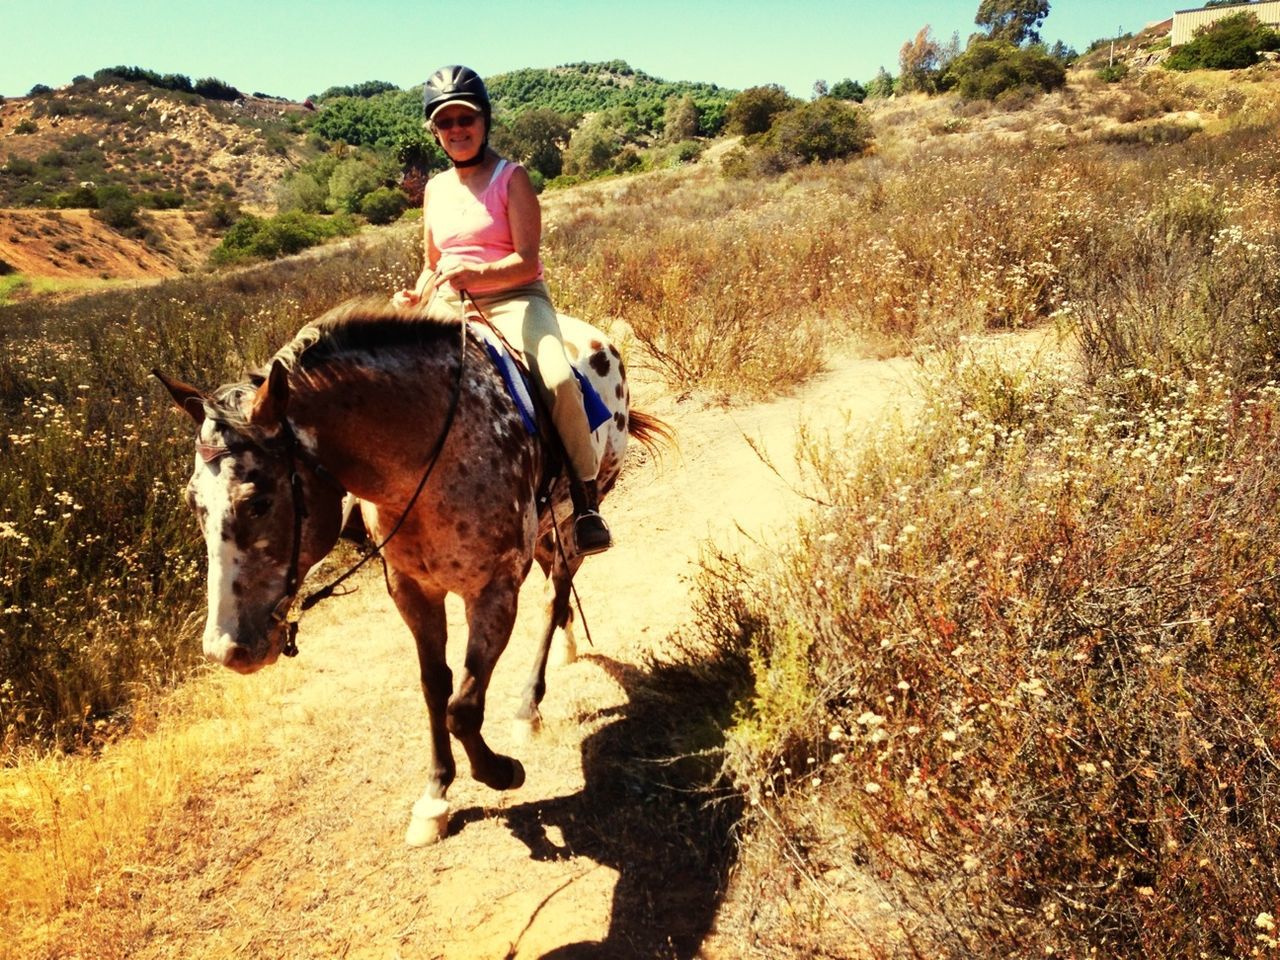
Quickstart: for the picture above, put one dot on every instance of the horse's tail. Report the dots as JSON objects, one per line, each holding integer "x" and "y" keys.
{"x": 654, "y": 435}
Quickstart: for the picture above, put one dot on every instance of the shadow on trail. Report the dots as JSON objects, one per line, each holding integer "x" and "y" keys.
{"x": 650, "y": 809}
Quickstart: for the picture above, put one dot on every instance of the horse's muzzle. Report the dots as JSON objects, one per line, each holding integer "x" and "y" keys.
{"x": 237, "y": 656}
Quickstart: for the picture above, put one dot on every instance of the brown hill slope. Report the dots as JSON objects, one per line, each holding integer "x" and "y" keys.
{"x": 145, "y": 139}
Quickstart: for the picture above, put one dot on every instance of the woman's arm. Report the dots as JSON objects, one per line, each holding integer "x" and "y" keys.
{"x": 521, "y": 265}
{"x": 422, "y": 288}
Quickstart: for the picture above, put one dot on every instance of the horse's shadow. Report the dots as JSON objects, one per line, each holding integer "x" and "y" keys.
{"x": 649, "y": 810}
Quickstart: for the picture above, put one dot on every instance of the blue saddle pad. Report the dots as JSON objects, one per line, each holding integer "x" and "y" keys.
{"x": 518, "y": 386}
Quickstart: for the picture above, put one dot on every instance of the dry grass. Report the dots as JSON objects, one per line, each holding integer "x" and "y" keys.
{"x": 76, "y": 829}
{"x": 1014, "y": 681}
{"x": 1021, "y": 664}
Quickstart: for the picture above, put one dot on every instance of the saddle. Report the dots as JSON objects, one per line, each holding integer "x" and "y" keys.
{"x": 516, "y": 378}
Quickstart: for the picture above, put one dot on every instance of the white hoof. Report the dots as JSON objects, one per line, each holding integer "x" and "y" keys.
{"x": 524, "y": 730}
{"x": 429, "y": 824}
{"x": 563, "y": 650}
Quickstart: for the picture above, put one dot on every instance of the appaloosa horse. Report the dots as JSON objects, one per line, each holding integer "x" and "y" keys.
{"x": 381, "y": 403}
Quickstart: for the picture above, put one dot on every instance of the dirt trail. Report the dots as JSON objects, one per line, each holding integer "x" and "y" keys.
{"x": 300, "y": 853}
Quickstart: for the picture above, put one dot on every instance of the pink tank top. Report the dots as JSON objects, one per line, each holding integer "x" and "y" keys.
{"x": 470, "y": 229}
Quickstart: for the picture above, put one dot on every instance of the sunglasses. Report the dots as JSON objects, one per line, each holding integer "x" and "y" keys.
{"x": 464, "y": 121}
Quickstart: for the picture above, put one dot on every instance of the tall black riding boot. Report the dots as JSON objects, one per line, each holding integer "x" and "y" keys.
{"x": 590, "y": 532}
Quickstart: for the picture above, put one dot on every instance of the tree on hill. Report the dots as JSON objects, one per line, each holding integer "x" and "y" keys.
{"x": 921, "y": 63}
{"x": 680, "y": 119}
{"x": 593, "y": 146}
{"x": 988, "y": 68}
{"x": 1017, "y": 21}
{"x": 847, "y": 89}
{"x": 1227, "y": 44}
{"x": 882, "y": 85}
{"x": 369, "y": 88}
{"x": 815, "y": 132}
{"x": 212, "y": 88}
{"x": 753, "y": 110}
{"x": 379, "y": 120}
{"x": 536, "y": 138}
{"x": 576, "y": 89}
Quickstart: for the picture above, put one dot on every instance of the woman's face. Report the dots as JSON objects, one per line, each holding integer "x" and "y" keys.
{"x": 460, "y": 131}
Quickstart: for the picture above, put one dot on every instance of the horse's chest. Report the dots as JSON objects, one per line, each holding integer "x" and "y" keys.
{"x": 478, "y": 522}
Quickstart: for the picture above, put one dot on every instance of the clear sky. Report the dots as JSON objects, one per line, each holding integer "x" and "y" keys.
{"x": 293, "y": 48}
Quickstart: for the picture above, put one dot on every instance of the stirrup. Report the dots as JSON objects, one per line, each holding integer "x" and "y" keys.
{"x": 591, "y": 534}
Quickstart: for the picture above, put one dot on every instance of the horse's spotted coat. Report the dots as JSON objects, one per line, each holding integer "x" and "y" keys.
{"x": 366, "y": 394}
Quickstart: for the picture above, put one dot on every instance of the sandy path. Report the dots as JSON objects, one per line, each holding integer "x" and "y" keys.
{"x": 300, "y": 852}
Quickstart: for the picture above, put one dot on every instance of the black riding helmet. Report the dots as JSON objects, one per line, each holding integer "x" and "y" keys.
{"x": 458, "y": 84}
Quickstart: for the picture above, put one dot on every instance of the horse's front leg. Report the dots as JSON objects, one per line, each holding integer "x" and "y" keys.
{"x": 425, "y": 615}
{"x": 491, "y": 615}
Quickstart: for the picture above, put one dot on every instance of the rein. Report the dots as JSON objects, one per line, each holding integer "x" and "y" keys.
{"x": 544, "y": 495}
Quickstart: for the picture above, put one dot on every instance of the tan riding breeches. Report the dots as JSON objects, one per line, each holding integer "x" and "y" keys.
{"x": 526, "y": 317}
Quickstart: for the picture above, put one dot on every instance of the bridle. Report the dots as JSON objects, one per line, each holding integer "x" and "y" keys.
{"x": 294, "y": 454}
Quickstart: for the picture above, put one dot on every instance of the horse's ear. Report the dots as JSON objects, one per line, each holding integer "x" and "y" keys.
{"x": 271, "y": 399}
{"x": 188, "y": 398}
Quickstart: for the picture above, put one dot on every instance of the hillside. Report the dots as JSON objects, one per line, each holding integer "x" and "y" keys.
{"x": 146, "y": 140}
{"x": 191, "y": 163}
{"x": 577, "y": 88}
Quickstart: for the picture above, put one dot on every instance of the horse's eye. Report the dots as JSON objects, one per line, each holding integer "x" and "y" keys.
{"x": 259, "y": 507}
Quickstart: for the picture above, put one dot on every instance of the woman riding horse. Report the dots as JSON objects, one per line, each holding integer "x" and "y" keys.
{"x": 482, "y": 227}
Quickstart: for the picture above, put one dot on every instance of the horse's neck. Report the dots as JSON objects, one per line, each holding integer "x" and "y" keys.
{"x": 373, "y": 427}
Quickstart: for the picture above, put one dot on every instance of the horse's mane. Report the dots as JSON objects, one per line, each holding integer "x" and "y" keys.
{"x": 342, "y": 337}
{"x": 363, "y": 326}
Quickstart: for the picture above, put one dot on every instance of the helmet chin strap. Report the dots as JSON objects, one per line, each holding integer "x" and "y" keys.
{"x": 478, "y": 159}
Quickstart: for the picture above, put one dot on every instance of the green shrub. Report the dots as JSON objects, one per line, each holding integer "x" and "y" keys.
{"x": 266, "y": 238}
{"x": 378, "y": 120}
{"x": 536, "y": 139}
{"x": 754, "y": 109}
{"x": 821, "y": 130}
{"x": 881, "y": 86}
{"x": 383, "y": 204}
{"x": 211, "y": 88}
{"x": 26, "y": 126}
{"x": 301, "y": 191}
{"x": 117, "y": 208}
{"x": 83, "y": 198}
{"x": 1227, "y": 44}
{"x": 221, "y": 214}
{"x": 987, "y": 68}
{"x": 351, "y": 180}
{"x": 1113, "y": 73}
{"x": 162, "y": 199}
{"x": 593, "y": 146}
{"x": 847, "y": 89}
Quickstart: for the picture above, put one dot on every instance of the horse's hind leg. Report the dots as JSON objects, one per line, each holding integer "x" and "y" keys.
{"x": 425, "y": 616}
{"x": 559, "y": 616}
{"x": 490, "y": 618}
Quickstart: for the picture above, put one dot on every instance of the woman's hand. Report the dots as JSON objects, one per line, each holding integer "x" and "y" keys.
{"x": 405, "y": 299}
{"x": 460, "y": 276}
